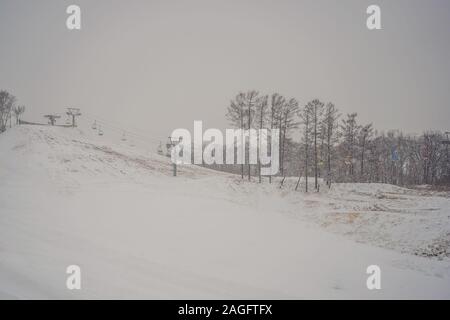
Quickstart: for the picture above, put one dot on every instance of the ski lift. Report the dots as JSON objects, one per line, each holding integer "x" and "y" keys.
{"x": 168, "y": 147}
{"x": 160, "y": 149}
{"x": 171, "y": 143}
{"x": 100, "y": 131}
{"x": 94, "y": 125}
{"x": 123, "y": 137}
{"x": 168, "y": 144}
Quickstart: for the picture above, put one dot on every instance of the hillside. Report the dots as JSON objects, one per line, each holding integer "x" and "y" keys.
{"x": 68, "y": 196}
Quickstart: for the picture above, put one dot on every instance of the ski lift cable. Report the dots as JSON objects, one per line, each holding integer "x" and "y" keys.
{"x": 118, "y": 129}
{"x": 117, "y": 124}
{"x": 131, "y": 134}
{"x": 122, "y": 130}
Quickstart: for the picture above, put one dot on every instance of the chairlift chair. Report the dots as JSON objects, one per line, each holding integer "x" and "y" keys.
{"x": 160, "y": 149}
{"x": 168, "y": 150}
{"x": 100, "y": 131}
{"x": 168, "y": 145}
{"x": 94, "y": 125}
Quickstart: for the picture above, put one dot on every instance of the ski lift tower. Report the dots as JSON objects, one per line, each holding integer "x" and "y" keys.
{"x": 100, "y": 131}
{"x": 52, "y": 118}
{"x": 73, "y": 112}
{"x": 171, "y": 143}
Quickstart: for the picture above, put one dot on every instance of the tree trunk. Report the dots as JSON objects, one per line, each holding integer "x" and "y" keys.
{"x": 283, "y": 146}
{"x": 315, "y": 150}
{"x": 249, "y": 124}
{"x": 242, "y": 142}
{"x": 329, "y": 159}
{"x": 362, "y": 159}
{"x": 280, "y": 157}
{"x": 306, "y": 168}
{"x": 259, "y": 144}
{"x": 306, "y": 152}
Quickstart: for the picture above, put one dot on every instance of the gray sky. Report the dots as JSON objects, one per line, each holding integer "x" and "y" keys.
{"x": 160, "y": 65}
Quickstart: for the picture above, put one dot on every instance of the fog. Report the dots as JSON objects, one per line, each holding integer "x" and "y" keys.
{"x": 160, "y": 65}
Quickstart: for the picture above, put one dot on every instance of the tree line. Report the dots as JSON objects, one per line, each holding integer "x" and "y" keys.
{"x": 8, "y": 109}
{"x": 317, "y": 142}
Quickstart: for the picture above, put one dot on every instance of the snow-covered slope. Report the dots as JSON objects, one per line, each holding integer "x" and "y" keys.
{"x": 70, "y": 197}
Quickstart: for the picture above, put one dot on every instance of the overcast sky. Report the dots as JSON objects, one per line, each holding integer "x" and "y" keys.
{"x": 160, "y": 65}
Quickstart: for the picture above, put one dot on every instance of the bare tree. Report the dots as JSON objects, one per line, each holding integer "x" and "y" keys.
{"x": 277, "y": 103}
{"x": 316, "y": 109}
{"x": 240, "y": 113}
{"x": 330, "y": 125}
{"x": 289, "y": 112}
{"x": 261, "y": 110}
{"x": 305, "y": 115}
{"x": 432, "y": 154}
{"x": 7, "y": 103}
{"x": 390, "y": 157}
{"x": 236, "y": 115}
{"x": 19, "y": 110}
{"x": 364, "y": 135}
{"x": 250, "y": 101}
{"x": 350, "y": 130}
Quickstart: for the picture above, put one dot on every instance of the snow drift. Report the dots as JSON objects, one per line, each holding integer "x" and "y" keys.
{"x": 70, "y": 197}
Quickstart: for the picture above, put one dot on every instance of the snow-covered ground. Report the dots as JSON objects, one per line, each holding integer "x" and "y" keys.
{"x": 68, "y": 196}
